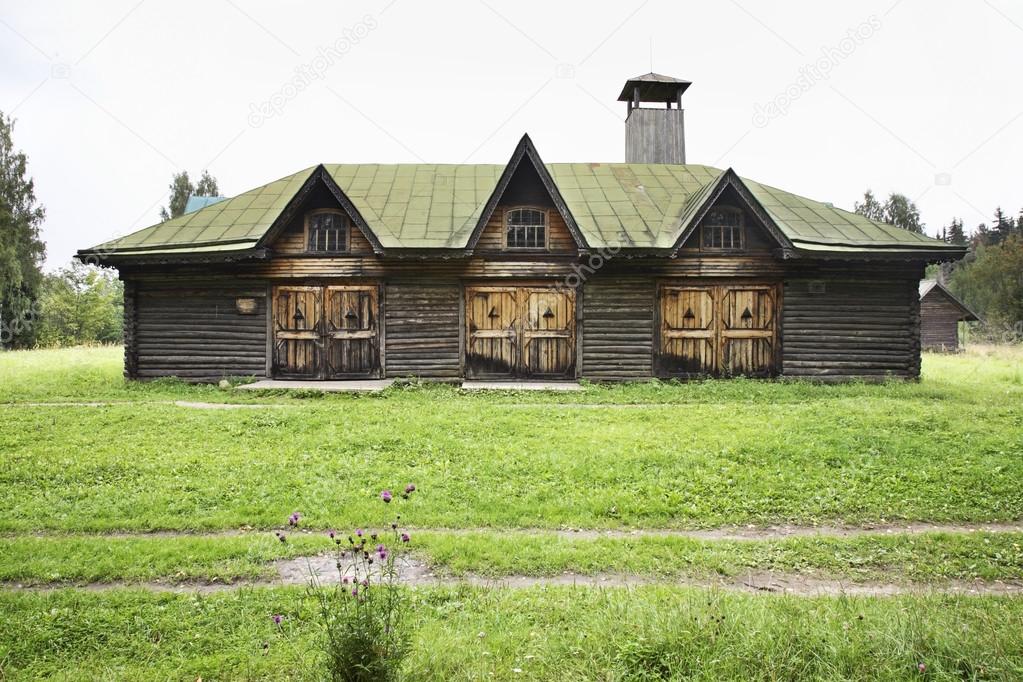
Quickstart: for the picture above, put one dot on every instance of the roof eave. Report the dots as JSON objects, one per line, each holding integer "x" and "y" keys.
{"x": 117, "y": 259}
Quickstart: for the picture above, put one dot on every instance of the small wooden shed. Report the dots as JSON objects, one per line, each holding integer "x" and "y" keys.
{"x": 940, "y": 315}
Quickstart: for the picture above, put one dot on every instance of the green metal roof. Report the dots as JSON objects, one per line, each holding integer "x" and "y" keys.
{"x": 418, "y": 205}
{"x": 424, "y": 206}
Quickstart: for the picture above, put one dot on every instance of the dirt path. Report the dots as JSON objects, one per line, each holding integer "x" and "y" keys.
{"x": 774, "y": 532}
{"x": 297, "y": 572}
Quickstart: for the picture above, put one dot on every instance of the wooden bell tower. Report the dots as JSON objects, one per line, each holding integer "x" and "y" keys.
{"x": 654, "y": 134}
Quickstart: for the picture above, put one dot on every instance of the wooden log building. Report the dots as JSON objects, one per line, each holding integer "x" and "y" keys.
{"x": 528, "y": 270}
{"x": 940, "y": 315}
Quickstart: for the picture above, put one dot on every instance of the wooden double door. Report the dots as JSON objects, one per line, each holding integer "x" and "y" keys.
{"x": 519, "y": 332}
{"x": 326, "y": 332}
{"x": 718, "y": 330}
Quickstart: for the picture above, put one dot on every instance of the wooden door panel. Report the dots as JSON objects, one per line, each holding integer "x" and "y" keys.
{"x": 492, "y": 332}
{"x": 747, "y": 335}
{"x": 297, "y": 318}
{"x": 351, "y": 331}
{"x": 548, "y": 336}
{"x": 688, "y": 330}
{"x": 718, "y": 329}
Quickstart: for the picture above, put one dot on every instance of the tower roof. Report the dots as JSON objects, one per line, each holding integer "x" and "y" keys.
{"x": 653, "y": 87}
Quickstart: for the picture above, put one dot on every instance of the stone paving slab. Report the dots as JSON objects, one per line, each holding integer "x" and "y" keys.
{"x": 521, "y": 386}
{"x": 352, "y": 386}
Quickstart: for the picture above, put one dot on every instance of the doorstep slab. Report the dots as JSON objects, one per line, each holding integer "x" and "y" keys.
{"x": 521, "y": 386}
{"x": 353, "y": 386}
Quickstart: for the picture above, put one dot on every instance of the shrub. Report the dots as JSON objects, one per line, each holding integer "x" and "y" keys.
{"x": 364, "y": 612}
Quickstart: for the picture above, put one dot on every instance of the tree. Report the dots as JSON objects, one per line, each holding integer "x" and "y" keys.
{"x": 897, "y": 210}
{"x": 181, "y": 188}
{"x": 21, "y": 249}
{"x": 81, "y": 304}
{"x": 956, "y": 233}
{"x": 991, "y": 283}
{"x": 207, "y": 186}
{"x": 902, "y": 212}
{"x": 871, "y": 207}
{"x": 1003, "y": 226}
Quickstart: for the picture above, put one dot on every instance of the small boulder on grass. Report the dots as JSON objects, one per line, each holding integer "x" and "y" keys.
{"x": 224, "y": 384}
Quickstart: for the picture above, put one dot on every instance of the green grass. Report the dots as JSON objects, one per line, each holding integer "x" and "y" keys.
{"x": 705, "y": 454}
{"x": 653, "y": 455}
{"x": 571, "y": 634}
{"x": 927, "y": 557}
{"x": 33, "y": 560}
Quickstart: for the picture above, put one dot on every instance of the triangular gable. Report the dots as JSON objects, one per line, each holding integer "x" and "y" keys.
{"x": 701, "y": 202}
{"x": 526, "y": 150}
{"x": 930, "y": 287}
{"x": 318, "y": 176}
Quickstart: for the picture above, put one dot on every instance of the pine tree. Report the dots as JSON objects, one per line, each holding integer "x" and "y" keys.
{"x": 956, "y": 232}
{"x": 1003, "y": 226}
{"x": 21, "y": 249}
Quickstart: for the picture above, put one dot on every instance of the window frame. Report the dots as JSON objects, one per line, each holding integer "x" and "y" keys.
{"x": 741, "y": 227}
{"x": 346, "y": 231}
{"x": 545, "y": 212}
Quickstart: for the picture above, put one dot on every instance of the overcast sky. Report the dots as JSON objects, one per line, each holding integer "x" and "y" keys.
{"x": 111, "y": 98}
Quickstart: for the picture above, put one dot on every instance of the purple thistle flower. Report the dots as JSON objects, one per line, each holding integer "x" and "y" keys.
{"x": 358, "y": 532}
{"x": 277, "y": 618}
{"x": 386, "y": 496}
{"x": 344, "y": 580}
{"x": 330, "y": 534}
{"x": 293, "y": 519}
{"x": 355, "y": 591}
{"x": 410, "y": 488}
{"x": 405, "y": 537}
{"x": 365, "y": 582}
{"x": 922, "y": 667}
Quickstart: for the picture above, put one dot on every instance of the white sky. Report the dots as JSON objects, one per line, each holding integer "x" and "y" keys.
{"x": 112, "y": 98}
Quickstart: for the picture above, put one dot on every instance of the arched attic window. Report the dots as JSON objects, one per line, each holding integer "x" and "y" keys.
{"x": 525, "y": 228}
{"x": 722, "y": 229}
{"x": 326, "y": 231}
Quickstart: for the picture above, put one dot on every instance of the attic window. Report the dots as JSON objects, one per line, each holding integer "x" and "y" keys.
{"x": 525, "y": 228}
{"x": 722, "y": 229}
{"x": 327, "y": 231}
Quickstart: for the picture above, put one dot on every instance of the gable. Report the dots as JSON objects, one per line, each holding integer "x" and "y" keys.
{"x": 756, "y": 236}
{"x": 934, "y": 296}
{"x": 526, "y": 189}
{"x": 521, "y": 175}
{"x": 291, "y": 238}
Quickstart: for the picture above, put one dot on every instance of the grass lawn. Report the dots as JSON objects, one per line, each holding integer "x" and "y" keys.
{"x": 490, "y": 468}
{"x": 646, "y": 633}
{"x": 703, "y": 454}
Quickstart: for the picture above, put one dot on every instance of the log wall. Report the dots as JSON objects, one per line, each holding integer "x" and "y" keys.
{"x": 617, "y": 328}
{"x": 182, "y": 320}
{"x": 422, "y": 329}
{"x": 850, "y": 328}
{"x": 193, "y": 330}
